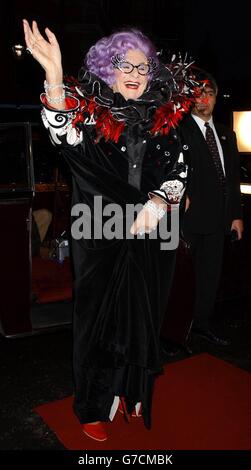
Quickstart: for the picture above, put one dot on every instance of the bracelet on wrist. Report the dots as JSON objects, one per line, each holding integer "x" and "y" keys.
{"x": 48, "y": 87}
{"x": 156, "y": 210}
{"x": 55, "y": 100}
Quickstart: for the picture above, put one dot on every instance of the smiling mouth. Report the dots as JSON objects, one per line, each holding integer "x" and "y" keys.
{"x": 132, "y": 85}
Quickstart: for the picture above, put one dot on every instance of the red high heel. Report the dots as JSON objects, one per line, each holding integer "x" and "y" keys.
{"x": 133, "y": 414}
{"x": 120, "y": 408}
{"x": 123, "y": 410}
{"x": 95, "y": 431}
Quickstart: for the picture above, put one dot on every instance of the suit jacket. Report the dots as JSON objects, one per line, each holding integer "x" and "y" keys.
{"x": 209, "y": 209}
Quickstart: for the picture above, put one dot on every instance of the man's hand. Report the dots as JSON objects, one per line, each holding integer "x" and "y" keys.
{"x": 237, "y": 225}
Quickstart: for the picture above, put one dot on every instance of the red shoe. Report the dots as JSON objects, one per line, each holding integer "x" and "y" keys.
{"x": 122, "y": 407}
{"x": 135, "y": 415}
{"x": 95, "y": 431}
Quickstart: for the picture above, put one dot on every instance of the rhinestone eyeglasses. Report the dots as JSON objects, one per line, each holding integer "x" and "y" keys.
{"x": 127, "y": 67}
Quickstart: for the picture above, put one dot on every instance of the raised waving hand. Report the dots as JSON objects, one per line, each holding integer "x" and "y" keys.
{"x": 45, "y": 51}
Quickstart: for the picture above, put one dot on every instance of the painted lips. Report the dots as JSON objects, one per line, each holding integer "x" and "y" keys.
{"x": 132, "y": 85}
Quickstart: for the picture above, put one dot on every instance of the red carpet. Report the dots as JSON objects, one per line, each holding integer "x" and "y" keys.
{"x": 200, "y": 403}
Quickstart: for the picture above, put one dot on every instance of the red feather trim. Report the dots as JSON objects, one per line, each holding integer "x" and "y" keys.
{"x": 106, "y": 125}
{"x": 166, "y": 117}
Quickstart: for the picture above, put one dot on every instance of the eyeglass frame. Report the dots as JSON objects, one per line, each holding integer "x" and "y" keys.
{"x": 118, "y": 59}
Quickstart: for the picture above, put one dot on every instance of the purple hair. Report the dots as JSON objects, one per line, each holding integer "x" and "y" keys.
{"x": 98, "y": 58}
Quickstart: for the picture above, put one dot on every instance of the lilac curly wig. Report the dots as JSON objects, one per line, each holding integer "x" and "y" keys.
{"x": 98, "y": 58}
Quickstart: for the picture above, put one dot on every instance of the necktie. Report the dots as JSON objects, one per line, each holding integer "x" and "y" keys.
{"x": 212, "y": 145}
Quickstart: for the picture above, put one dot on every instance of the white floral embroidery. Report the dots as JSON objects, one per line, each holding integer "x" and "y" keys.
{"x": 171, "y": 191}
{"x": 174, "y": 190}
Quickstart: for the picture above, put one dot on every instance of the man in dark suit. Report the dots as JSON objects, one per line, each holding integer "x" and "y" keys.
{"x": 213, "y": 206}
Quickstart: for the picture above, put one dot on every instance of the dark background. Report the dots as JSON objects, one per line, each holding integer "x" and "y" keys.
{"x": 216, "y": 34}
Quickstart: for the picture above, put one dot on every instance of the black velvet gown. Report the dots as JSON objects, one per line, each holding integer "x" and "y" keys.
{"x": 121, "y": 285}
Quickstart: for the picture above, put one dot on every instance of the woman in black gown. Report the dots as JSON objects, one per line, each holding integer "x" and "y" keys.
{"x": 116, "y": 127}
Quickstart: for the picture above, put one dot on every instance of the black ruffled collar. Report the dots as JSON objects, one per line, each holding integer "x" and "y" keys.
{"x": 158, "y": 93}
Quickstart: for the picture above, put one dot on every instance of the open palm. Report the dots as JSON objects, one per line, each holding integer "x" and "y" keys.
{"x": 46, "y": 52}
